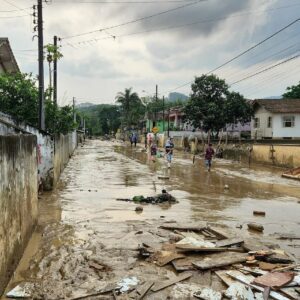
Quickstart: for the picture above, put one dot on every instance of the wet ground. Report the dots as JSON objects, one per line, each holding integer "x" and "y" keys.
{"x": 81, "y": 222}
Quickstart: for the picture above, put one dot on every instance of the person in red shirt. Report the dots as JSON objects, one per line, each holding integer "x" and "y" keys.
{"x": 209, "y": 153}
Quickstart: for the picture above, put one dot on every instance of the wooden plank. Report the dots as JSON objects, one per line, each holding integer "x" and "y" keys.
{"x": 219, "y": 233}
{"x": 229, "y": 242}
{"x": 184, "y": 264}
{"x": 167, "y": 257}
{"x": 143, "y": 290}
{"x": 183, "y": 228}
{"x": 221, "y": 274}
{"x": 220, "y": 260}
{"x": 246, "y": 281}
{"x": 190, "y": 248}
{"x": 160, "y": 286}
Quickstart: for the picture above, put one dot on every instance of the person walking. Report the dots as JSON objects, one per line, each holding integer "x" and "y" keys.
{"x": 169, "y": 151}
{"x": 209, "y": 153}
{"x": 134, "y": 139}
{"x": 153, "y": 151}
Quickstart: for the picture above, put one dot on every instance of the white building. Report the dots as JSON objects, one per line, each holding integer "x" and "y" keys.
{"x": 276, "y": 119}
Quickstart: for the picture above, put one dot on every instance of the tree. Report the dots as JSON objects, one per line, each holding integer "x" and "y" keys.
{"x": 53, "y": 53}
{"x": 131, "y": 107}
{"x": 292, "y": 92}
{"x": 19, "y": 98}
{"x": 212, "y": 106}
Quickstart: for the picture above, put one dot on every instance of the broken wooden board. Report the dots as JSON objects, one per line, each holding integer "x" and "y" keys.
{"x": 267, "y": 266}
{"x": 96, "y": 266}
{"x": 162, "y": 258}
{"x": 143, "y": 290}
{"x": 184, "y": 264}
{"x": 183, "y": 228}
{"x": 241, "y": 278}
{"x": 217, "y": 232}
{"x": 229, "y": 242}
{"x": 220, "y": 260}
{"x": 290, "y": 292}
{"x": 208, "y": 294}
{"x": 274, "y": 280}
{"x": 228, "y": 280}
{"x": 190, "y": 248}
{"x": 288, "y": 236}
{"x": 162, "y": 285}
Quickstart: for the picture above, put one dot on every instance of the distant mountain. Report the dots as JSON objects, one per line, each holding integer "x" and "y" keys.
{"x": 84, "y": 105}
{"x": 177, "y": 96}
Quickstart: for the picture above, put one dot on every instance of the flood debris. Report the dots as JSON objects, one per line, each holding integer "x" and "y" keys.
{"x": 259, "y": 213}
{"x": 23, "y": 290}
{"x": 139, "y": 209}
{"x": 255, "y": 227}
{"x": 162, "y": 285}
{"x": 164, "y": 197}
{"x": 274, "y": 280}
{"x": 126, "y": 284}
{"x": 208, "y": 294}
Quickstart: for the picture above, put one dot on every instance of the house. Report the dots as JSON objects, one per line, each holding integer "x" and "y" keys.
{"x": 8, "y": 63}
{"x": 276, "y": 119}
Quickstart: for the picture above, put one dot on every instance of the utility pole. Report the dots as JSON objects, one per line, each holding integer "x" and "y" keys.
{"x": 164, "y": 114}
{"x": 41, "y": 66}
{"x": 155, "y": 114}
{"x": 55, "y": 71}
{"x": 169, "y": 123}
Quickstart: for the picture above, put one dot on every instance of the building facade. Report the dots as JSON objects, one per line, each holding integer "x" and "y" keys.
{"x": 276, "y": 119}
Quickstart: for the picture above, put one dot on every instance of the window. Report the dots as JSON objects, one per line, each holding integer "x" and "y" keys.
{"x": 269, "y": 122}
{"x": 256, "y": 122}
{"x": 288, "y": 121}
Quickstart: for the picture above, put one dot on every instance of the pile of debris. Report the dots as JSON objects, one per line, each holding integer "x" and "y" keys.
{"x": 161, "y": 198}
{"x": 247, "y": 272}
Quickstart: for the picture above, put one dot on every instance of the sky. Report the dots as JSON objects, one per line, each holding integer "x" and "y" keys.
{"x": 111, "y": 45}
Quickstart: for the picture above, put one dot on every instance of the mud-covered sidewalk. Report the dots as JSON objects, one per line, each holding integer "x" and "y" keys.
{"x": 86, "y": 240}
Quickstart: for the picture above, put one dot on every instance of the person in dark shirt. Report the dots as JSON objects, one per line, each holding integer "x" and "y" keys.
{"x": 209, "y": 153}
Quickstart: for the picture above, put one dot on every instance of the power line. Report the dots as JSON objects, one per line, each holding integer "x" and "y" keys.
{"x": 242, "y": 53}
{"x": 16, "y": 6}
{"x": 14, "y": 10}
{"x": 179, "y": 26}
{"x": 136, "y": 20}
{"x": 266, "y": 69}
{"x": 124, "y": 2}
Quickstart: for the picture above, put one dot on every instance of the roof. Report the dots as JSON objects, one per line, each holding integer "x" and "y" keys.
{"x": 279, "y": 105}
{"x": 8, "y": 63}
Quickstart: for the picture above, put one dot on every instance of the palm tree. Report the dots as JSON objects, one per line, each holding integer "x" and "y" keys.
{"x": 129, "y": 101}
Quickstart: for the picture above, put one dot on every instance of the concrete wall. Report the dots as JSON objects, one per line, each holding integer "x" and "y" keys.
{"x": 283, "y": 155}
{"x": 18, "y": 199}
{"x": 64, "y": 148}
{"x": 45, "y": 147}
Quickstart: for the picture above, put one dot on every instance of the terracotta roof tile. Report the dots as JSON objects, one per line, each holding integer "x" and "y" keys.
{"x": 279, "y": 105}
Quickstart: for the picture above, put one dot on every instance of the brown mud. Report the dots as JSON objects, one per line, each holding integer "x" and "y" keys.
{"x": 82, "y": 223}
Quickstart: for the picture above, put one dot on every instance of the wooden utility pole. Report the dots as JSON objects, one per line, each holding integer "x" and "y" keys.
{"x": 164, "y": 114}
{"x": 41, "y": 66}
{"x": 55, "y": 71}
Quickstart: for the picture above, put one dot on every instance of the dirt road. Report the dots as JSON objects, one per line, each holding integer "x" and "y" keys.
{"x": 81, "y": 222}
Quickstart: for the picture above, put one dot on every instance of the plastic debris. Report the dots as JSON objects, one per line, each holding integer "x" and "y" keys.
{"x": 126, "y": 284}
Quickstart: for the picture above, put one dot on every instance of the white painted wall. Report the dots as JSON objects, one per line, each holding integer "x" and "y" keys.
{"x": 280, "y": 132}
{"x": 263, "y": 130}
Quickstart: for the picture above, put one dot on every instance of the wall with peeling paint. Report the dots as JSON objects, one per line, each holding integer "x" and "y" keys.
{"x": 45, "y": 147}
{"x": 64, "y": 148}
{"x": 18, "y": 199}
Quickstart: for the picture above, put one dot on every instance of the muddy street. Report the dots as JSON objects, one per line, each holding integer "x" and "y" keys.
{"x": 86, "y": 239}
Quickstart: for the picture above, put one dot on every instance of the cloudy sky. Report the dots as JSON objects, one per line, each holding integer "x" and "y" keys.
{"x": 114, "y": 44}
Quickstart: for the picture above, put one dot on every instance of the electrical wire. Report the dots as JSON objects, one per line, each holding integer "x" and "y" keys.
{"x": 135, "y": 20}
{"x": 242, "y": 53}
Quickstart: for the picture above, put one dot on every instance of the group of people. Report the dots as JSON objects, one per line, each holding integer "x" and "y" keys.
{"x": 169, "y": 147}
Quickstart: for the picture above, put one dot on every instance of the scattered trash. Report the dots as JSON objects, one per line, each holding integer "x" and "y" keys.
{"x": 23, "y": 290}
{"x": 126, "y": 284}
{"x": 163, "y": 177}
{"x": 256, "y": 227}
{"x": 226, "y": 187}
{"x": 238, "y": 291}
{"x": 259, "y": 213}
